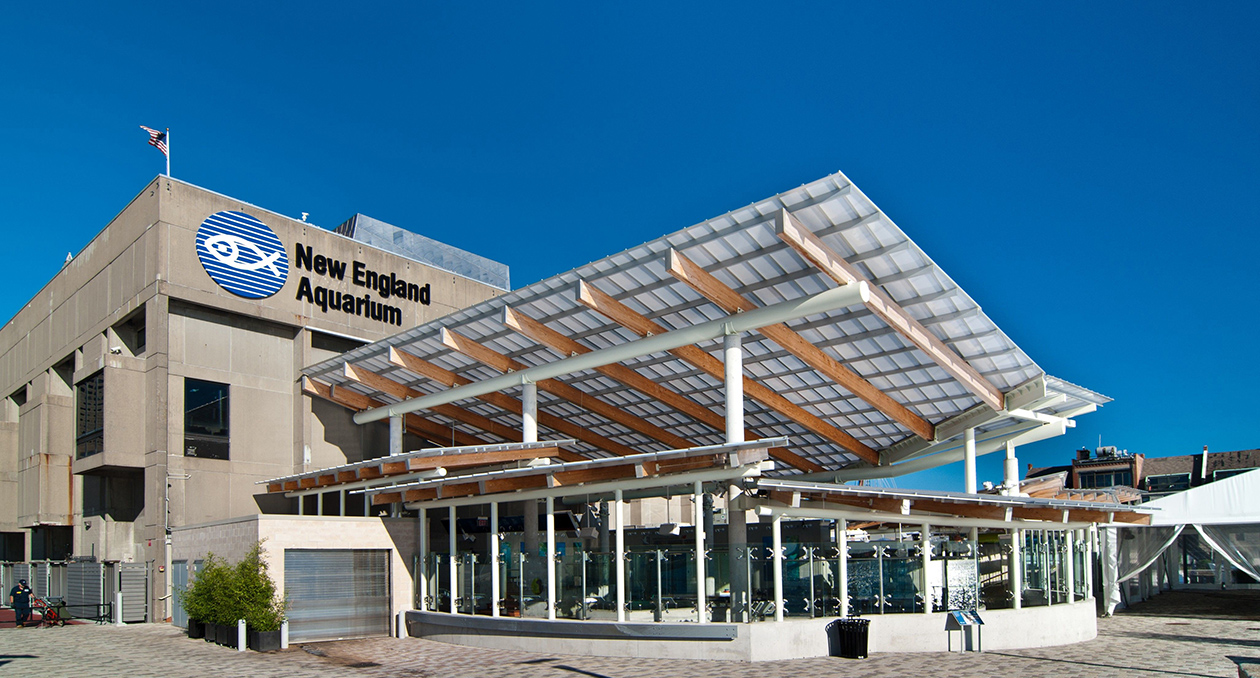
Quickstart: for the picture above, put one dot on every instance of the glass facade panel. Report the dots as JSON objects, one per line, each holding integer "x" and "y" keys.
{"x": 206, "y": 410}
{"x": 90, "y": 416}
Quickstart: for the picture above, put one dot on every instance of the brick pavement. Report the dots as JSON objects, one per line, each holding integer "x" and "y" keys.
{"x": 1147, "y": 642}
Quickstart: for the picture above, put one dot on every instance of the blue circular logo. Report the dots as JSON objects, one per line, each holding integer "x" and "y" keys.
{"x": 242, "y": 254}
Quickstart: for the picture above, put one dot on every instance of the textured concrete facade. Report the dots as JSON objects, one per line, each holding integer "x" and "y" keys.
{"x": 137, "y": 306}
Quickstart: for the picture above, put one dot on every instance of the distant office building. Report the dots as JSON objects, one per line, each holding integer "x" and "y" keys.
{"x": 1110, "y": 468}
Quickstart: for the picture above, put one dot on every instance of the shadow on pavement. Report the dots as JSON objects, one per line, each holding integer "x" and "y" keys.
{"x": 1105, "y": 666}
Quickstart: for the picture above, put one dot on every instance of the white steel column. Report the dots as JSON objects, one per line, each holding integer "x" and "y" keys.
{"x": 1090, "y": 535}
{"x": 1071, "y": 565}
{"x": 698, "y": 513}
{"x": 529, "y": 434}
{"x": 454, "y": 574}
{"x": 551, "y": 558}
{"x": 422, "y": 569}
{"x": 1010, "y": 476}
{"x": 1017, "y": 569}
{"x": 733, "y": 357}
{"x": 969, "y": 461}
{"x": 842, "y": 543}
{"x": 494, "y": 559}
{"x": 396, "y": 434}
{"x": 925, "y": 532}
{"x": 342, "y": 505}
{"x": 319, "y": 503}
{"x": 620, "y": 554}
{"x": 776, "y": 543}
{"x": 301, "y": 507}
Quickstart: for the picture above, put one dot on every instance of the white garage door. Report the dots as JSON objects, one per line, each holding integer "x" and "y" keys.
{"x": 337, "y": 593}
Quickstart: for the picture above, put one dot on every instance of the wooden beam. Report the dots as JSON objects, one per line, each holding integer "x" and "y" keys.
{"x": 488, "y": 356}
{"x": 882, "y": 504}
{"x": 424, "y": 368}
{"x": 1034, "y": 513}
{"x": 733, "y": 302}
{"x": 1132, "y": 517}
{"x": 469, "y": 460}
{"x": 813, "y": 250}
{"x": 987, "y": 512}
{"x": 429, "y": 430}
{"x": 533, "y": 482}
{"x": 546, "y": 336}
{"x": 602, "y": 303}
{"x": 403, "y": 392}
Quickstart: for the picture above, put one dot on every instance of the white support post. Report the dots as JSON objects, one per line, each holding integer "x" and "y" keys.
{"x": 395, "y": 434}
{"x": 1071, "y": 565}
{"x": 241, "y": 644}
{"x": 1090, "y": 534}
{"x": 301, "y": 505}
{"x": 494, "y": 559}
{"x": 842, "y": 544}
{"x": 342, "y": 505}
{"x": 776, "y": 543}
{"x": 319, "y": 503}
{"x": 551, "y": 558}
{"x": 400, "y": 628}
{"x": 969, "y": 460}
{"x": 118, "y": 607}
{"x": 620, "y": 553}
{"x": 733, "y": 357}
{"x": 698, "y": 512}
{"x": 529, "y": 413}
{"x": 422, "y": 569}
{"x": 284, "y": 635}
{"x": 1010, "y": 475}
{"x": 1017, "y": 569}
{"x": 454, "y": 573}
{"x": 926, "y": 535}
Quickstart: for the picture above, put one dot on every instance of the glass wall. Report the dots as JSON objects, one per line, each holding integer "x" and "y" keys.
{"x": 953, "y": 573}
{"x": 886, "y": 576}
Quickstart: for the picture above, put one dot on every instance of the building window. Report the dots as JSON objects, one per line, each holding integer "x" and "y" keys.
{"x": 1228, "y": 472}
{"x": 1168, "y": 482}
{"x": 205, "y": 419}
{"x": 1101, "y": 479}
{"x": 90, "y": 416}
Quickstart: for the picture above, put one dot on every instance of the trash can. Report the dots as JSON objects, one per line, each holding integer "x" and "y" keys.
{"x": 847, "y": 637}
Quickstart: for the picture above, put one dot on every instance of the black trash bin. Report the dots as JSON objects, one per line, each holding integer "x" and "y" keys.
{"x": 847, "y": 637}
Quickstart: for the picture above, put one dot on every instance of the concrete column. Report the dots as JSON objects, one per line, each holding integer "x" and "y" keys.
{"x": 737, "y": 555}
{"x": 494, "y": 559}
{"x": 1017, "y": 569}
{"x": 395, "y": 434}
{"x": 454, "y": 570}
{"x": 619, "y": 555}
{"x": 925, "y": 532}
{"x": 842, "y": 545}
{"x": 698, "y": 520}
{"x": 776, "y": 542}
{"x": 422, "y": 569}
{"x": 969, "y": 461}
{"x": 733, "y": 356}
{"x": 551, "y": 558}
{"x": 1010, "y": 476}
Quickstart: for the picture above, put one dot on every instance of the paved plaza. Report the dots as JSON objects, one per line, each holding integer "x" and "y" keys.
{"x": 1176, "y": 634}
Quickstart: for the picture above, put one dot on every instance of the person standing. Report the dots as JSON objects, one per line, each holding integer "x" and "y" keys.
{"x": 20, "y": 600}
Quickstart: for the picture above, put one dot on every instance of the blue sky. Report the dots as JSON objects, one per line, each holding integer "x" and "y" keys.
{"x": 1086, "y": 171}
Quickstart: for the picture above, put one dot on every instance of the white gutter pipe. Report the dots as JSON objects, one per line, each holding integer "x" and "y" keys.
{"x": 830, "y": 300}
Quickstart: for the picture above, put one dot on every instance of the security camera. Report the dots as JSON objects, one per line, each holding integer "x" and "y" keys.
{"x": 115, "y": 349}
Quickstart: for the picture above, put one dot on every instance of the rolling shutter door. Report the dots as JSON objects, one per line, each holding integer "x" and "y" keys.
{"x": 337, "y": 593}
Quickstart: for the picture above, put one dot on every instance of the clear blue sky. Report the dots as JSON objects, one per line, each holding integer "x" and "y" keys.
{"x": 1086, "y": 171}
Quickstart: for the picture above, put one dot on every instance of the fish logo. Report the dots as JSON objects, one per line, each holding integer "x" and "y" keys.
{"x": 242, "y": 254}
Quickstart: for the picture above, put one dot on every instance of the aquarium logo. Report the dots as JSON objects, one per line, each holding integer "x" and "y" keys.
{"x": 242, "y": 254}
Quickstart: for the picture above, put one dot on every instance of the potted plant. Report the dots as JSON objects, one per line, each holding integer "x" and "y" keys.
{"x": 261, "y": 607}
{"x": 198, "y": 598}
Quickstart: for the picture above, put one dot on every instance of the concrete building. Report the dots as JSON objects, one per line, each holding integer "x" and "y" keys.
{"x": 156, "y": 378}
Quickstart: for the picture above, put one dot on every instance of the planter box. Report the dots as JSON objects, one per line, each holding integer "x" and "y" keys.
{"x": 211, "y": 632}
{"x": 226, "y": 636}
{"x": 263, "y": 641}
{"x": 196, "y": 629}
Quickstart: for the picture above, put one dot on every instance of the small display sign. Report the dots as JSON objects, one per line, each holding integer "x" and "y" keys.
{"x": 967, "y": 618}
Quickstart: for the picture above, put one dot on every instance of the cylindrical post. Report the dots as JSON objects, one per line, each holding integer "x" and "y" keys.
{"x": 241, "y": 644}
{"x": 697, "y": 495}
{"x": 529, "y": 413}
{"x": 494, "y": 559}
{"x": 454, "y": 574}
{"x": 620, "y": 553}
{"x": 969, "y": 460}
{"x": 400, "y": 628}
{"x": 118, "y": 606}
{"x": 319, "y": 503}
{"x": 551, "y": 558}
{"x": 842, "y": 545}
{"x": 284, "y": 635}
{"x": 776, "y": 543}
{"x": 395, "y": 434}
{"x": 925, "y": 532}
{"x": 1010, "y": 475}
{"x": 301, "y": 505}
{"x": 1017, "y": 569}
{"x": 422, "y": 538}
{"x": 733, "y": 356}
{"x": 341, "y": 505}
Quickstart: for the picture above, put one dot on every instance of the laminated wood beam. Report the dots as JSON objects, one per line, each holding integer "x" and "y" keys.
{"x": 502, "y": 363}
{"x": 813, "y": 250}
{"x": 443, "y": 376}
{"x": 403, "y": 392}
{"x": 429, "y": 430}
{"x": 733, "y": 302}
{"x": 600, "y": 302}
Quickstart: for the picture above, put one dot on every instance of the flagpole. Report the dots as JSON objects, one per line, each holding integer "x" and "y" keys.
{"x": 168, "y": 153}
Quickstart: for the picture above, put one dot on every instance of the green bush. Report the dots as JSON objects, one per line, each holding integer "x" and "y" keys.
{"x": 222, "y": 593}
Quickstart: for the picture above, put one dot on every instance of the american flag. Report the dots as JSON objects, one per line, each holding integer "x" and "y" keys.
{"x": 156, "y": 139}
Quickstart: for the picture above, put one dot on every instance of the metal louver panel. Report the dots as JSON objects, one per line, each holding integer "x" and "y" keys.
{"x": 21, "y": 571}
{"x": 39, "y": 579}
{"x": 337, "y": 593}
{"x": 83, "y": 588}
{"x": 134, "y": 578}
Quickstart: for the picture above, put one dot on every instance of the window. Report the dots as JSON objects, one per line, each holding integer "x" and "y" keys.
{"x": 1227, "y": 472}
{"x": 205, "y": 419}
{"x": 90, "y": 416}
{"x": 1168, "y": 482}
{"x": 1102, "y": 479}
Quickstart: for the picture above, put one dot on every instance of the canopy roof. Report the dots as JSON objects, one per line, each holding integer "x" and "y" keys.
{"x": 895, "y": 379}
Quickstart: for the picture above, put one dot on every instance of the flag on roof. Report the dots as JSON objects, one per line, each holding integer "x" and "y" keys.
{"x": 156, "y": 139}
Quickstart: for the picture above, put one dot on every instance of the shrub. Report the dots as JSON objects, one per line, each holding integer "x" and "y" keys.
{"x": 222, "y": 593}
{"x": 203, "y": 598}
